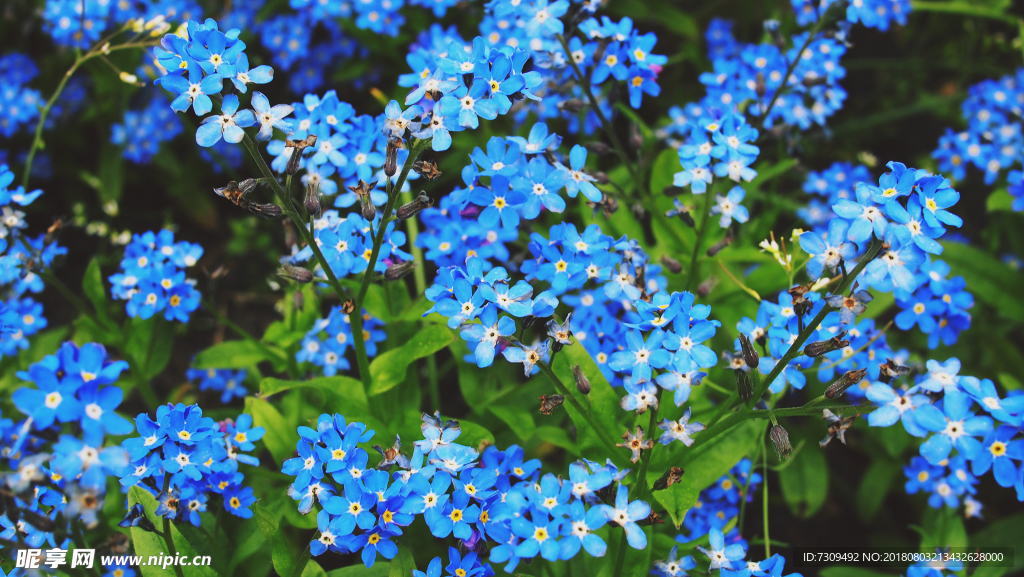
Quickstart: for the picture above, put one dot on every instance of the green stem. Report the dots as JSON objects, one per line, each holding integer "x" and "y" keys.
{"x": 695, "y": 258}
{"x": 167, "y": 531}
{"x": 356, "y": 316}
{"x": 961, "y": 8}
{"x": 224, "y": 320}
{"x": 419, "y": 274}
{"x": 605, "y": 123}
{"x": 37, "y": 139}
{"x": 750, "y": 477}
{"x": 764, "y": 489}
{"x": 620, "y": 562}
{"x": 645, "y": 460}
{"x": 792, "y": 66}
{"x": 796, "y": 348}
{"x": 591, "y": 420}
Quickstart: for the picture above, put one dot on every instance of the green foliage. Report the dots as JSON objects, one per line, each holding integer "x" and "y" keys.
{"x": 389, "y": 368}
{"x": 805, "y": 482}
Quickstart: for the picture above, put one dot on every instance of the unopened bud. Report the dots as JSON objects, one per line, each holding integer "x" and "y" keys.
{"x": 297, "y": 146}
{"x": 297, "y": 274}
{"x": 597, "y": 147}
{"x": 780, "y": 438}
{"x": 427, "y": 169}
{"x": 348, "y": 306}
{"x": 399, "y": 270}
{"x": 705, "y": 288}
{"x": 362, "y": 190}
{"x": 749, "y": 352}
{"x": 759, "y": 85}
{"x": 582, "y": 383}
{"x": 652, "y": 519}
{"x": 312, "y": 200}
{"x": 821, "y": 347}
{"x": 298, "y": 300}
{"x": 549, "y": 402}
{"x": 744, "y": 386}
{"x": 673, "y": 265}
{"x": 407, "y": 211}
{"x": 844, "y": 382}
{"x": 669, "y": 478}
{"x": 889, "y": 370}
{"x": 391, "y": 156}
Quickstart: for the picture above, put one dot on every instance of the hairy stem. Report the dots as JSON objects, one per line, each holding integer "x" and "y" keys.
{"x": 699, "y": 241}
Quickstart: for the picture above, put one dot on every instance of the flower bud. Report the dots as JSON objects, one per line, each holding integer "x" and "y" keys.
{"x": 720, "y": 245}
{"x": 407, "y": 211}
{"x": 844, "y": 382}
{"x": 572, "y": 105}
{"x": 549, "y": 402}
{"x": 780, "y": 438}
{"x": 759, "y": 85}
{"x": 597, "y": 147}
{"x": 582, "y": 383}
{"x": 399, "y": 270}
{"x": 312, "y": 200}
{"x": 669, "y": 478}
{"x": 749, "y": 352}
{"x": 362, "y": 190}
{"x": 600, "y": 177}
{"x": 821, "y": 347}
{"x": 744, "y": 386}
{"x": 636, "y": 138}
{"x": 297, "y": 274}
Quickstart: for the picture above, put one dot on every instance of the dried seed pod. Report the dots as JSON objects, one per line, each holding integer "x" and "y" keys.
{"x": 297, "y": 274}
{"x": 744, "y": 386}
{"x": 749, "y": 352}
{"x": 844, "y": 382}
{"x": 391, "y": 156}
{"x": 348, "y": 306}
{"x": 582, "y": 383}
{"x": 780, "y": 439}
{"x": 298, "y": 147}
{"x": 718, "y": 246}
{"x": 409, "y": 210}
{"x": 760, "y": 87}
{"x": 312, "y": 200}
{"x": 819, "y": 348}
{"x": 889, "y": 370}
{"x": 362, "y": 190}
{"x": 673, "y": 265}
{"x": 668, "y": 478}
{"x": 427, "y": 169}
{"x": 549, "y": 402}
{"x": 399, "y": 270}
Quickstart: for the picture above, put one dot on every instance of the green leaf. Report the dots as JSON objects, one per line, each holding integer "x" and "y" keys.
{"x": 403, "y": 564}
{"x": 999, "y": 200}
{"x": 602, "y": 401}
{"x": 289, "y": 554}
{"x": 874, "y": 486}
{"x": 95, "y": 291}
{"x": 988, "y": 278}
{"x": 1008, "y": 531}
{"x": 150, "y": 544}
{"x": 281, "y": 437}
{"x": 704, "y": 466}
{"x": 666, "y": 165}
{"x": 345, "y": 394}
{"x": 557, "y": 437}
{"x": 474, "y": 434}
{"x": 1009, "y": 382}
{"x": 389, "y": 368}
{"x": 804, "y": 482}
{"x": 942, "y": 528}
{"x": 517, "y": 417}
{"x": 232, "y": 355}
{"x": 313, "y": 569}
{"x": 265, "y": 520}
{"x": 148, "y": 342}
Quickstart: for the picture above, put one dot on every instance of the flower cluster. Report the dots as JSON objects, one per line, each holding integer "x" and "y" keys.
{"x": 993, "y": 141}
{"x": 51, "y": 472}
{"x": 878, "y": 14}
{"x": 327, "y": 342}
{"x": 183, "y": 458}
{"x": 474, "y": 497}
{"x": 20, "y": 257}
{"x": 226, "y": 382}
{"x": 79, "y": 24}
{"x": 718, "y": 504}
{"x": 19, "y": 104}
{"x": 144, "y": 130}
{"x": 726, "y": 139}
{"x": 152, "y": 278}
{"x": 940, "y": 407}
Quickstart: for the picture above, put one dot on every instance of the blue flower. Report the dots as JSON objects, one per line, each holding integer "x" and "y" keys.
{"x": 641, "y": 356}
{"x": 828, "y": 252}
{"x": 228, "y": 124}
{"x": 730, "y": 208}
{"x": 626, "y": 514}
{"x": 721, "y": 556}
{"x": 269, "y": 117}
{"x": 244, "y": 75}
{"x": 956, "y": 426}
{"x": 192, "y": 92}
{"x": 540, "y": 186}
{"x": 999, "y": 449}
{"x": 487, "y": 333}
